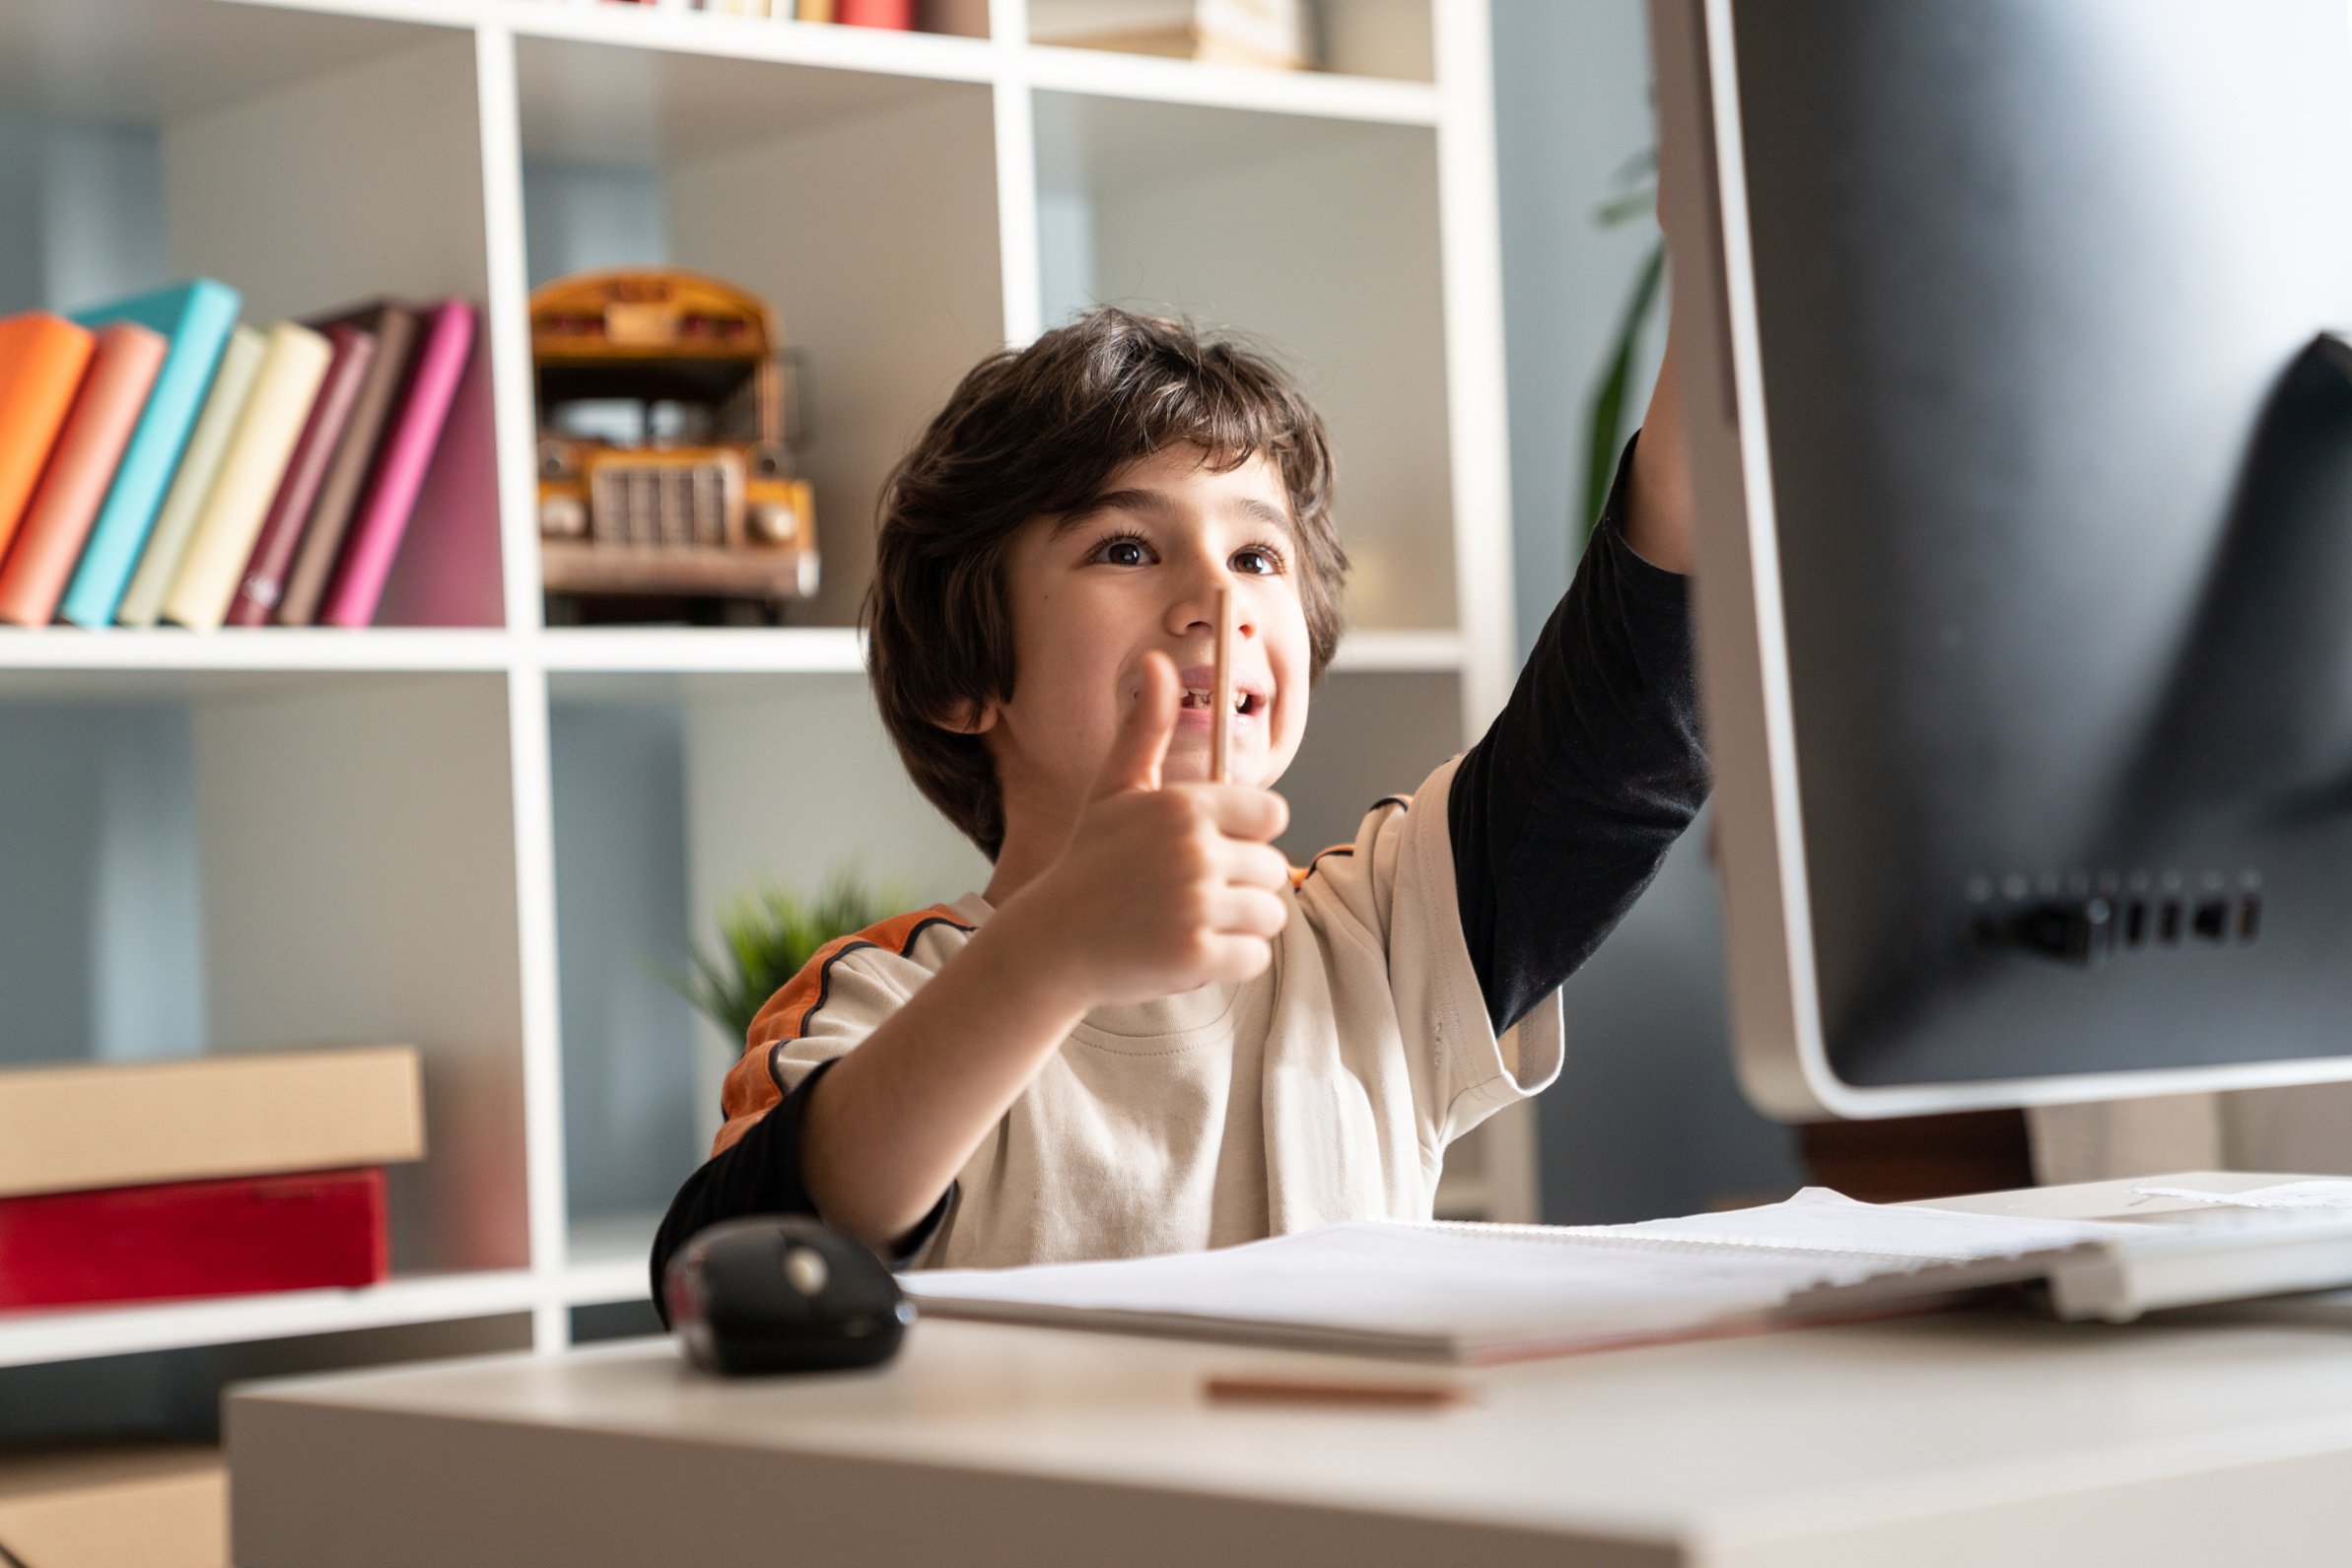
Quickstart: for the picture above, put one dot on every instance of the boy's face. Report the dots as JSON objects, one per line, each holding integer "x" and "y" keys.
{"x": 1092, "y": 593}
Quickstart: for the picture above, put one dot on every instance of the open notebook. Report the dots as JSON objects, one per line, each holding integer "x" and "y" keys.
{"x": 1478, "y": 1293}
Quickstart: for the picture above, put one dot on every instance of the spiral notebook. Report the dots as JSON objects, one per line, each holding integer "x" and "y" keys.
{"x": 1481, "y": 1293}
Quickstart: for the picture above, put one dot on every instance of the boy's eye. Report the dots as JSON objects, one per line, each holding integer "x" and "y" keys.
{"x": 1256, "y": 562}
{"x": 1124, "y": 550}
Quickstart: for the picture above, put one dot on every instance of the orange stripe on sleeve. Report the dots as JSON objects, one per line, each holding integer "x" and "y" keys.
{"x": 751, "y": 1090}
{"x": 1300, "y": 873}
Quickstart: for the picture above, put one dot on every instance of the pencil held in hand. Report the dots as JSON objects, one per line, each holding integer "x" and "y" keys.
{"x": 1220, "y": 703}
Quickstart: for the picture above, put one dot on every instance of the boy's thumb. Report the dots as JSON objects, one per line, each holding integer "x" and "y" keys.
{"x": 1141, "y": 744}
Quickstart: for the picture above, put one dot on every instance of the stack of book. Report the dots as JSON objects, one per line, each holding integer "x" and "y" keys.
{"x": 161, "y": 462}
{"x": 1265, "y": 33}
{"x": 210, "y": 1175}
{"x": 968, "y": 17}
{"x": 898, "y": 14}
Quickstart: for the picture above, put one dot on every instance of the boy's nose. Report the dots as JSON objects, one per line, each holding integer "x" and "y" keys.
{"x": 1196, "y": 611}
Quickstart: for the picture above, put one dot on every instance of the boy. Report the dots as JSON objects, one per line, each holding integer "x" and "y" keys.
{"x": 1149, "y": 1033}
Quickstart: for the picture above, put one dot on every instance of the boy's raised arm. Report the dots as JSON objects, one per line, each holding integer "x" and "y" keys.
{"x": 1564, "y": 811}
{"x": 1655, "y": 498}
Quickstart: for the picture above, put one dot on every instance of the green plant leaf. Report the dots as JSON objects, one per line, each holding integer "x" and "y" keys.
{"x": 767, "y": 934}
{"x": 1606, "y": 433}
{"x": 1620, "y": 210}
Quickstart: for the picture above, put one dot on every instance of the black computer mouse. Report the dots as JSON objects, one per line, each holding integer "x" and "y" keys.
{"x": 780, "y": 1293}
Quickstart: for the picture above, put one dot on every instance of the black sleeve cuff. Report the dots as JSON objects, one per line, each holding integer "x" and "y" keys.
{"x": 762, "y": 1173}
{"x": 1639, "y": 582}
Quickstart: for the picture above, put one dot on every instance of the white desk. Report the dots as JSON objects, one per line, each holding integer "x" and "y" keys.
{"x": 1965, "y": 1440}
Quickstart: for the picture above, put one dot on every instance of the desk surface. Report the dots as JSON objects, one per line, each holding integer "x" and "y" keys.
{"x": 1962, "y": 1439}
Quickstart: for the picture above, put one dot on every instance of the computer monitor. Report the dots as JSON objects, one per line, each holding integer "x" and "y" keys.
{"x": 2024, "y": 475}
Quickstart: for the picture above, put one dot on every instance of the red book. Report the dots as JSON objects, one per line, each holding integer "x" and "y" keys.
{"x": 194, "y": 1238}
{"x": 444, "y": 343}
{"x": 264, "y": 579}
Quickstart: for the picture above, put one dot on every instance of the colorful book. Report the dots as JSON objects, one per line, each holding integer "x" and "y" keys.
{"x": 395, "y": 330}
{"x": 159, "y": 563}
{"x": 42, "y": 361}
{"x": 134, "y": 1124}
{"x": 82, "y": 465}
{"x": 264, "y": 579}
{"x": 182, "y": 1239}
{"x": 445, "y": 341}
{"x": 196, "y": 317}
{"x": 293, "y": 363}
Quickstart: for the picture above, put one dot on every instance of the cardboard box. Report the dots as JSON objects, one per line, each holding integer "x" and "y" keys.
{"x": 135, "y": 1124}
{"x": 118, "y": 1506}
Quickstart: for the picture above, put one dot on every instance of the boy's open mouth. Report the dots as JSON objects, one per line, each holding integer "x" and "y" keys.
{"x": 1245, "y": 704}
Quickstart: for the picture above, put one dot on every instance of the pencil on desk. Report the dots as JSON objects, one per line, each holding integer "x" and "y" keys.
{"x": 1220, "y": 698}
{"x": 1232, "y": 1388}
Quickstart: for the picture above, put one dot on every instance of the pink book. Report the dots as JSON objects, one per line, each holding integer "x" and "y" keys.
{"x": 264, "y": 579}
{"x": 89, "y": 442}
{"x": 444, "y": 342}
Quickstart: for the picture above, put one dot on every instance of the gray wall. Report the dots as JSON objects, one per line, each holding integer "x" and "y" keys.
{"x": 100, "y": 927}
{"x": 631, "y": 1133}
{"x": 1645, "y": 1118}
{"x": 75, "y": 251}
{"x": 577, "y": 217}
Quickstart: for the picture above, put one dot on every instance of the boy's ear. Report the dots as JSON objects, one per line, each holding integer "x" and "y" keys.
{"x": 971, "y": 716}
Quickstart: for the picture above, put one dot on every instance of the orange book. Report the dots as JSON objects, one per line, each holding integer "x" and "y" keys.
{"x": 122, "y": 369}
{"x": 42, "y": 360}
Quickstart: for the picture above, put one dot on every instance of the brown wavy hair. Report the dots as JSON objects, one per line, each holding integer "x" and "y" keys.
{"x": 1037, "y": 432}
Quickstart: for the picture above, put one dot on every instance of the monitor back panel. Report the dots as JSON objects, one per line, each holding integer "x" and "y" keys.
{"x": 2061, "y": 512}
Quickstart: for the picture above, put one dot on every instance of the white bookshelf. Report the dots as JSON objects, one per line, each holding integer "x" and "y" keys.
{"x": 415, "y": 832}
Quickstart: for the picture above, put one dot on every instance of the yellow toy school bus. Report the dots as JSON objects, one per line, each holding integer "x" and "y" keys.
{"x": 663, "y": 470}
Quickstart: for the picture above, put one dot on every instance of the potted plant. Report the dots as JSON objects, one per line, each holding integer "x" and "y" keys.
{"x": 767, "y": 934}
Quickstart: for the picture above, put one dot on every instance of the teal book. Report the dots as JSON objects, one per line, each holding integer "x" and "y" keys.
{"x": 194, "y": 320}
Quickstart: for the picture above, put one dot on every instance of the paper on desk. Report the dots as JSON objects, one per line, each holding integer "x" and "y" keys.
{"x": 2285, "y": 1194}
{"x": 1819, "y": 1219}
{"x": 1475, "y": 1290}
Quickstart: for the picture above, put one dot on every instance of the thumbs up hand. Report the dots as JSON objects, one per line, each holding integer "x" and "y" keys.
{"x": 1163, "y": 888}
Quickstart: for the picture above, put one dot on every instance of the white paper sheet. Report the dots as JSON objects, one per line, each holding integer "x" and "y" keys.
{"x": 1472, "y": 1288}
{"x": 1819, "y": 1219}
{"x": 2315, "y": 1195}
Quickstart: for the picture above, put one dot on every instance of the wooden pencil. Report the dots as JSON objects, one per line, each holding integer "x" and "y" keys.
{"x": 1230, "y": 1389}
{"x": 1220, "y": 730}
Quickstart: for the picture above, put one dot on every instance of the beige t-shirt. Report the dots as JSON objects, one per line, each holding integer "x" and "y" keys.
{"x": 1325, "y": 1089}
